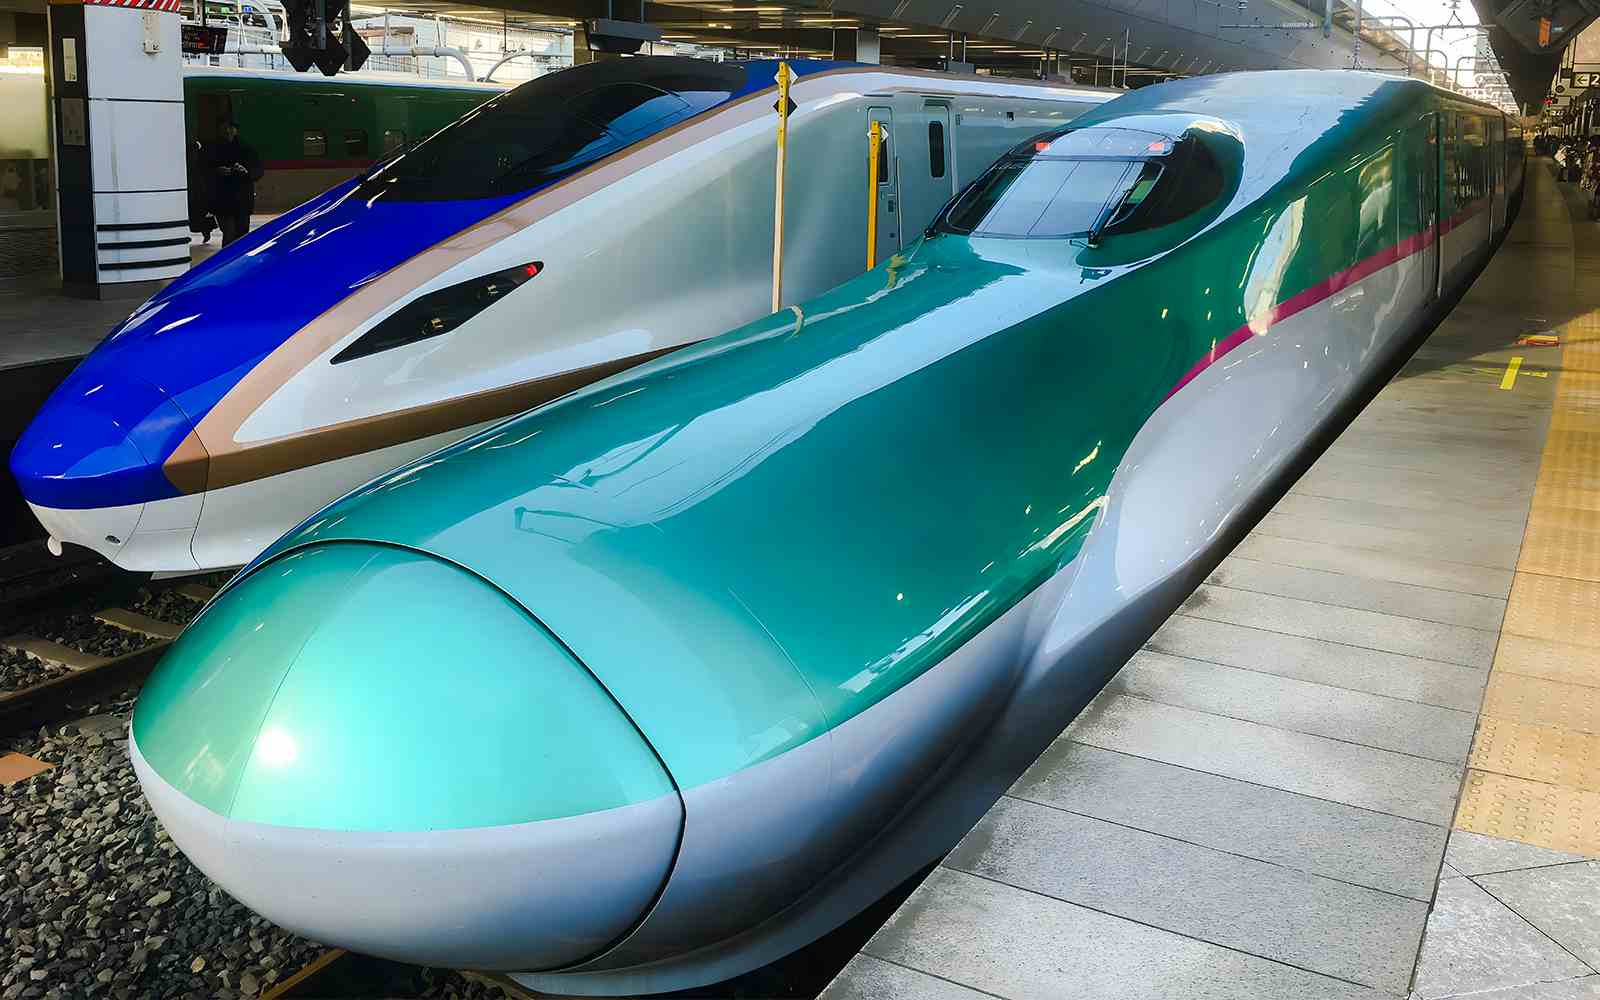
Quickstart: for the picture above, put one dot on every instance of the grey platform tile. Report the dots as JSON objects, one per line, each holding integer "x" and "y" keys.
{"x": 1497, "y": 549}
{"x": 1509, "y": 457}
{"x": 1439, "y": 499}
{"x": 1449, "y": 685}
{"x": 1441, "y": 734}
{"x": 1474, "y": 943}
{"x": 1325, "y": 838}
{"x": 1352, "y": 626}
{"x": 1373, "y": 565}
{"x": 1407, "y": 600}
{"x": 1289, "y": 916}
{"x": 1310, "y": 765}
{"x": 1586, "y": 988}
{"x": 1477, "y": 854}
{"x": 1462, "y": 520}
{"x": 1352, "y": 466}
{"x": 1563, "y": 901}
{"x": 868, "y": 978}
{"x": 1024, "y": 946}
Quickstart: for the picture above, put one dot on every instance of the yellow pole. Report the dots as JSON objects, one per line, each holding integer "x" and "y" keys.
{"x": 777, "y": 225}
{"x": 874, "y": 144}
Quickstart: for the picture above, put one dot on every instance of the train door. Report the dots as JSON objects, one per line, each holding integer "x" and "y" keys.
{"x": 926, "y": 177}
{"x": 888, "y": 183}
{"x": 1429, "y": 179}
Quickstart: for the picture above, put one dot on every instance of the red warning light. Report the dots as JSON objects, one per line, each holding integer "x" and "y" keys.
{"x": 1041, "y": 147}
{"x": 534, "y": 268}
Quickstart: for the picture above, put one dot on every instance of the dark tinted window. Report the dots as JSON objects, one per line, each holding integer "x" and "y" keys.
{"x": 936, "y": 149}
{"x": 1073, "y": 183}
{"x": 1196, "y": 181}
{"x": 314, "y": 142}
{"x": 553, "y": 126}
{"x": 355, "y": 142}
{"x": 883, "y": 154}
{"x": 1027, "y": 197}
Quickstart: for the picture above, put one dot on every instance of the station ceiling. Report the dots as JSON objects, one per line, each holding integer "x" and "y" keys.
{"x": 1151, "y": 38}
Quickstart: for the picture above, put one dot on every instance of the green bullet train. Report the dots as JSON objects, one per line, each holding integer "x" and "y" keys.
{"x": 663, "y": 680}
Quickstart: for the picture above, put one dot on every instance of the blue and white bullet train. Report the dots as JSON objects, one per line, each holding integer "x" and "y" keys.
{"x": 579, "y": 225}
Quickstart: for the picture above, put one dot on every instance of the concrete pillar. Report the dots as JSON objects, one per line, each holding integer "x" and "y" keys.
{"x": 122, "y": 189}
{"x": 856, "y": 45}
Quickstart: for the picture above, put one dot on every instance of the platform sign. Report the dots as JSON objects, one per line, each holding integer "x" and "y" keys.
{"x": 203, "y": 39}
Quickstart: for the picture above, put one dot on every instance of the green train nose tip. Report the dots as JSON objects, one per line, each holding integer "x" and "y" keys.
{"x": 388, "y": 711}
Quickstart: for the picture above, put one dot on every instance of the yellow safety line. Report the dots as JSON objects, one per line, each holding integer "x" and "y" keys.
{"x": 1532, "y": 774}
{"x": 1510, "y": 378}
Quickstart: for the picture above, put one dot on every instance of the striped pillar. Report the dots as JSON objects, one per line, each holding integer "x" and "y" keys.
{"x": 119, "y": 135}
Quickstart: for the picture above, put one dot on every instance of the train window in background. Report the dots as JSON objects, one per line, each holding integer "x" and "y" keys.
{"x": 554, "y": 126}
{"x": 936, "y": 149}
{"x": 313, "y": 142}
{"x": 355, "y": 142}
{"x": 393, "y": 139}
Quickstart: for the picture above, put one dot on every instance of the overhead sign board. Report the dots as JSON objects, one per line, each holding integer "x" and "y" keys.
{"x": 203, "y": 39}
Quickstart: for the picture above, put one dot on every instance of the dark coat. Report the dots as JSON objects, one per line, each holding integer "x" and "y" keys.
{"x": 234, "y": 194}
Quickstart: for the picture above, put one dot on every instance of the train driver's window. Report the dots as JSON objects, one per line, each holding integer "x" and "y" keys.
{"x": 355, "y": 142}
{"x": 393, "y": 139}
{"x": 1088, "y": 182}
{"x": 313, "y": 142}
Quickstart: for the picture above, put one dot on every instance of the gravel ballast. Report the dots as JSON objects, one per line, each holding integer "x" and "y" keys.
{"x": 19, "y": 670}
{"x": 165, "y": 606}
{"x": 87, "y": 634}
{"x": 97, "y": 901}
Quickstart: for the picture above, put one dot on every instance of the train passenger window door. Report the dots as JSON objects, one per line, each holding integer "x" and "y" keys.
{"x": 313, "y": 143}
{"x": 393, "y": 139}
{"x": 1431, "y": 179}
{"x": 888, "y": 193}
{"x": 356, "y": 144}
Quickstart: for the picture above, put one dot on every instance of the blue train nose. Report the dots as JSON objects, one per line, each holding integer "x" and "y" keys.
{"x": 103, "y": 442}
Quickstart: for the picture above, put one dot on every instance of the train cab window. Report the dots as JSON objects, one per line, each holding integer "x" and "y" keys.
{"x": 1086, "y": 182}
{"x": 553, "y": 126}
{"x": 393, "y": 139}
{"x": 313, "y": 142}
{"x": 936, "y": 149}
{"x": 355, "y": 142}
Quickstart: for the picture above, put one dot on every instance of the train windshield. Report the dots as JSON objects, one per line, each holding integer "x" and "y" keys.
{"x": 551, "y": 127}
{"x": 1084, "y": 182}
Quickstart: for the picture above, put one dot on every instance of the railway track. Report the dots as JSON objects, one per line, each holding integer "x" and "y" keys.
{"x": 75, "y": 628}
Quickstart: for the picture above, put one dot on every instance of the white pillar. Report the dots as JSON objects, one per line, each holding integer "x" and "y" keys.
{"x": 122, "y": 190}
{"x": 867, "y": 45}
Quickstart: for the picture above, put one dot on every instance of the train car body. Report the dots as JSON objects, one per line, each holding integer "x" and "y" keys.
{"x": 588, "y": 221}
{"x": 663, "y": 680}
{"x": 314, "y": 132}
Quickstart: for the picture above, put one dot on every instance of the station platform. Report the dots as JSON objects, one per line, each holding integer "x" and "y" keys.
{"x": 1360, "y": 759}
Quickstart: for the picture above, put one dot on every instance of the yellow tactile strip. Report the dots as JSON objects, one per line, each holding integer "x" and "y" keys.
{"x": 1534, "y": 771}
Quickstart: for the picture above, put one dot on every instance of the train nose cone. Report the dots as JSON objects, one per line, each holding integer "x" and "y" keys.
{"x": 378, "y": 750}
{"x": 99, "y": 443}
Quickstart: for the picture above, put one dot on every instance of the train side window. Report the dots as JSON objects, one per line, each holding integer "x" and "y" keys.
{"x": 314, "y": 142}
{"x": 883, "y": 158}
{"x": 355, "y": 142}
{"x": 393, "y": 139}
{"x": 936, "y": 149}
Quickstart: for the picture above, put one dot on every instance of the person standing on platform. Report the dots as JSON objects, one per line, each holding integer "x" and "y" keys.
{"x": 236, "y": 168}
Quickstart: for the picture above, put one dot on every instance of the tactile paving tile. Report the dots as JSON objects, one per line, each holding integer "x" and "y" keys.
{"x": 1554, "y": 547}
{"x": 1536, "y": 701}
{"x": 1555, "y": 607}
{"x": 1497, "y": 805}
{"x": 1548, "y": 658}
{"x": 1538, "y": 753}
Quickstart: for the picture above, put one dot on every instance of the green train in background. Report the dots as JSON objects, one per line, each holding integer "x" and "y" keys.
{"x": 314, "y": 131}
